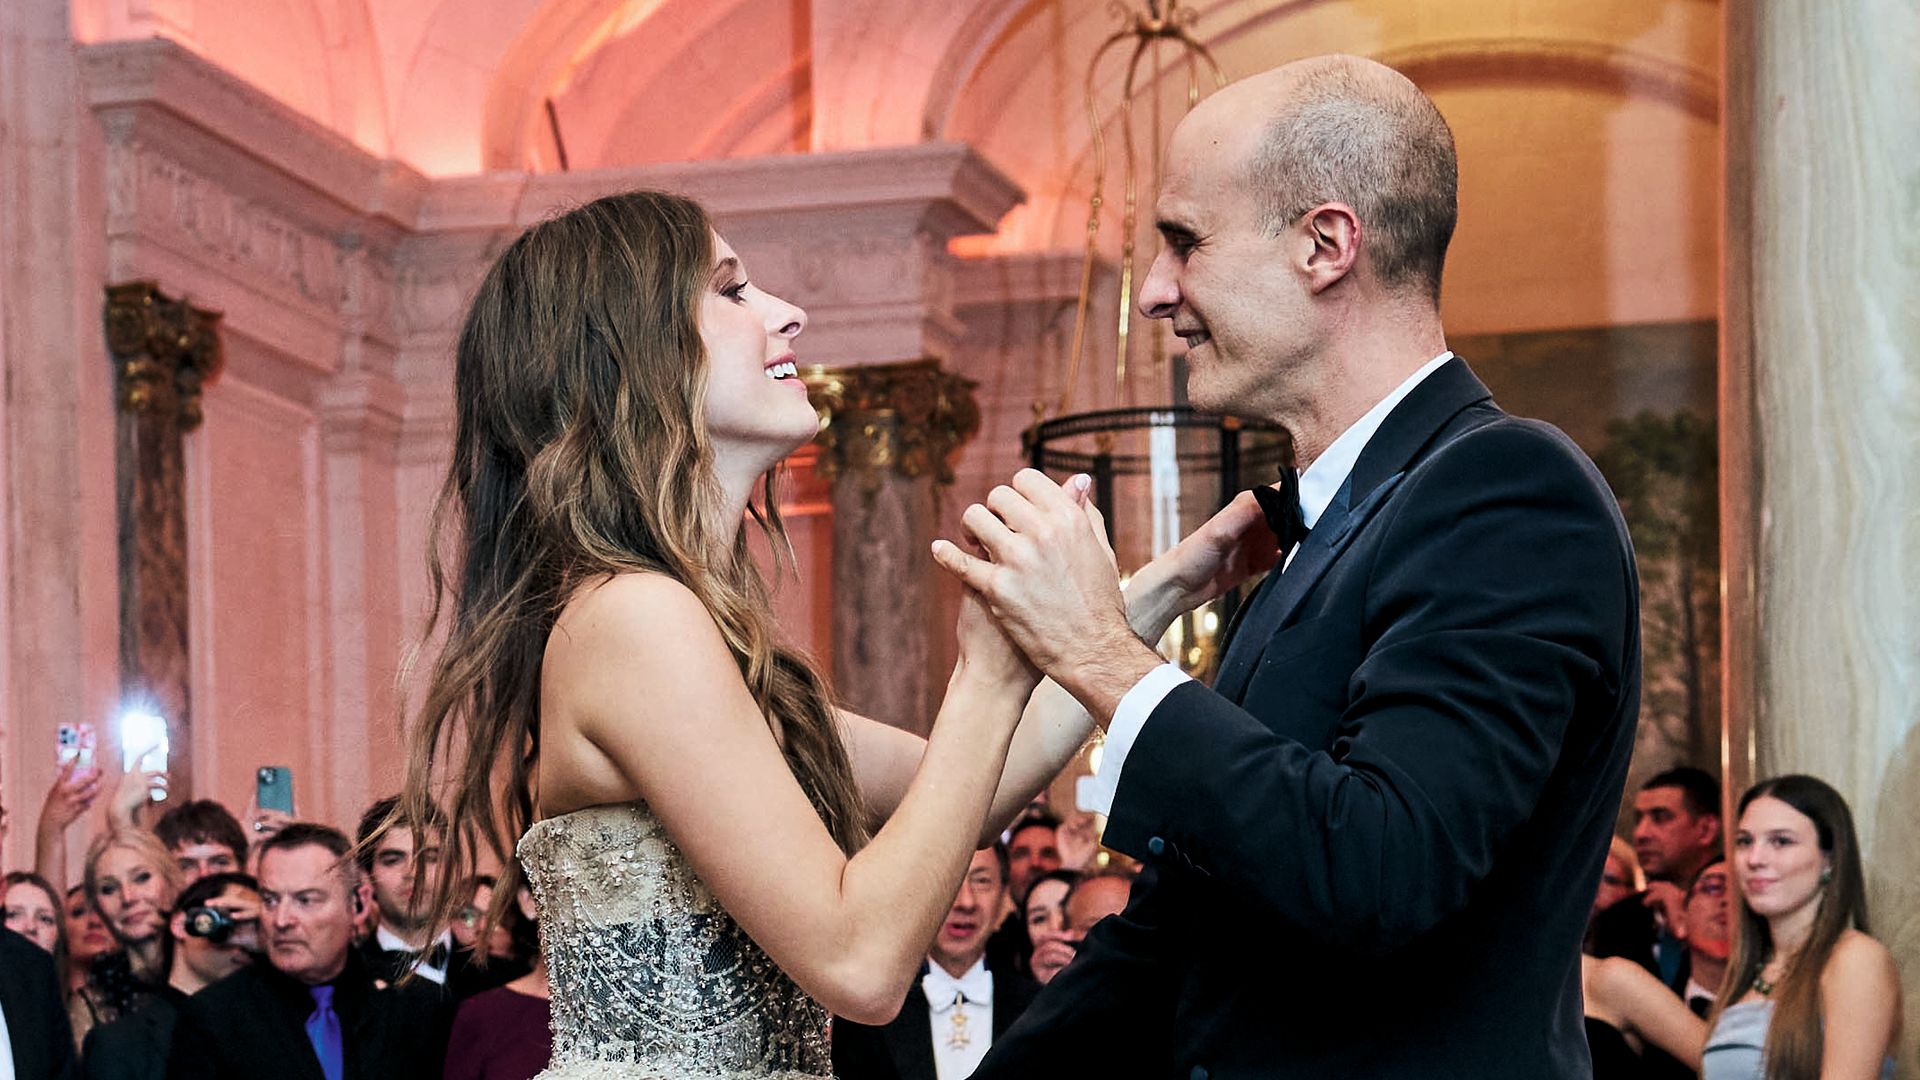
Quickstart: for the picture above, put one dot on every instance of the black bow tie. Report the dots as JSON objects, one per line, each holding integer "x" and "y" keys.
{"x": 1282, "y": 508}
{"x": 437, "y": 956}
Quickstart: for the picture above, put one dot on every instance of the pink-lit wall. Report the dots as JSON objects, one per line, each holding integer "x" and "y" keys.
{"x": 334, "y": 174}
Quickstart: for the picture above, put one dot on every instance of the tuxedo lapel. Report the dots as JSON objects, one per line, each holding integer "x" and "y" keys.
{"x": 1406, "y": 431}
{"x": 910, "y": 1037}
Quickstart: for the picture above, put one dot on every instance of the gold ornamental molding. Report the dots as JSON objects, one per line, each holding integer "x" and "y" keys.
{"x": 906, "y": 418}
{"x": 164, "y": 350}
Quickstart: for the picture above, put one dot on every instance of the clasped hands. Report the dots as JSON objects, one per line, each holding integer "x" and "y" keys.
{"x": 1042, "y": 567}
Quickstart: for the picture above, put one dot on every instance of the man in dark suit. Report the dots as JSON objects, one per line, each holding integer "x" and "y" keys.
{"x": 216, "y": 931}
{"x": 1399, "y": 790}
{"x": 961, "y": 1003}
{"x": 1676, "y": 832}
{"x": 402, "y": 868}
{"x": 34, "y": 1034}
{"x": 313, "y": 1011}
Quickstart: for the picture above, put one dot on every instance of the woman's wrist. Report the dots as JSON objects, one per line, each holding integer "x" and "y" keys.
{"x": 1152, "y": 604}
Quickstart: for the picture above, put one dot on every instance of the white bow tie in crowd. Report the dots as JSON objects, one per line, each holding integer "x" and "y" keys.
{"x": 944, "y": 991}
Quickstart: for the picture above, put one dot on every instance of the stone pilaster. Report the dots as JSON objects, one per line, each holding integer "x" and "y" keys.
{"x": 887, "y": 434}
{"x": 164, "y": 350}
{"x": 1821, "y": 424}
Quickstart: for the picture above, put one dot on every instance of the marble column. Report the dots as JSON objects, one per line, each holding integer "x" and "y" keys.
{"x": 163, "y": 351}
{"x": 886, "y": 439}
{"x": 1821, "y": 424}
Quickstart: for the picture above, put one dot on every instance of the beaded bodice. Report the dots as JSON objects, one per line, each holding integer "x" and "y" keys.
{"x": 650, "y": 976}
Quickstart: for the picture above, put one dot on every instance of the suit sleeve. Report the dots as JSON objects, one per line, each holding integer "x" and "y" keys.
{"x": 1118, "y": 985}
{"x": 1499, "y": 602}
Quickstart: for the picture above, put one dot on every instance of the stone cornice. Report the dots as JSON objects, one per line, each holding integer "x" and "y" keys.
{"x": 155, "y": 81}
{"x": 947, "y": 188}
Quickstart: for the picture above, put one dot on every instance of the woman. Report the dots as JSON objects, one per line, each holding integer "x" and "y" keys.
{"x": 1045, "y": 917}
{"x": 472, "y": 930}
{"x": 506, "y": 1033}
{"x": 696, "y": 813}
{"x": 131, "y": 880}
{"x": 1620, "y": 878}
{"x": 33, "y": 912}
{"x": 87, "y": 941}
{"x": 1808, "y": 993}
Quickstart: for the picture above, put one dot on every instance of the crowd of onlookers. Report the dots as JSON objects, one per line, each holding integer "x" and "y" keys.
{"x": 1742, "y": 966}
{"x": 196, "y": 946}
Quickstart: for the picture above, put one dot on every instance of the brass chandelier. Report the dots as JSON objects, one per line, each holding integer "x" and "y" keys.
{"x": 1157, "y": 468}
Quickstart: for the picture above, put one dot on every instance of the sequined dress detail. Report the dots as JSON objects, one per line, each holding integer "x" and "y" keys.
{"x": 651, "y": 978}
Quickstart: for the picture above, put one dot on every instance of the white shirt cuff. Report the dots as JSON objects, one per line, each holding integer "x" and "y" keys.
{"x": 1128, "y": 718}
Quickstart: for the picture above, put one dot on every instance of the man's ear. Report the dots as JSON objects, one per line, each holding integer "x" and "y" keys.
{"x": 1710, "y": 829}
{"x": 1335, "y": 234}
{"x": 177, "y": 926}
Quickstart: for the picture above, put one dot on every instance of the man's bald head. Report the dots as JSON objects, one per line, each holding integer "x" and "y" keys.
{"x": 1348, "y": 130}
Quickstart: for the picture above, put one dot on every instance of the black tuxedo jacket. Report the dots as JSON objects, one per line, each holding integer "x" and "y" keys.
{"x": 465, "y": 976}
{"x": 136, "y": 1046}
{"x": 252, "y": 1024}
{"x": 1372, "y": 845}
{"x": 903, "y": 1048}
{"x": 39, "y": 1035}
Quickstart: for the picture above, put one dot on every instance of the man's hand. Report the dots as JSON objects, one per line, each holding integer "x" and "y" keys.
{"x": 1669, "y": 901}
{"x": 1231, "y": 547}
{"x": 1052, "y": 585}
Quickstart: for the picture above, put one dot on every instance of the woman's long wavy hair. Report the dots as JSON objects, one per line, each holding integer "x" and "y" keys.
{"x": 581, "y": 452}
{"x": 1795, "y": 1034}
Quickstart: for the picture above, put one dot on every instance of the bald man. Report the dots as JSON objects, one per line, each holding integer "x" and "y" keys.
{"x": 1371, "y": 844}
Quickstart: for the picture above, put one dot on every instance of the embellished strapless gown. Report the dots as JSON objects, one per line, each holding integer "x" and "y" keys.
{"x": 651, "y": 978}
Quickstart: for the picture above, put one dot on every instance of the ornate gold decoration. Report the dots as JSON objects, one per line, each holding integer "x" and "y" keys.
{"x": 164, "y": 351}
{"x": 908, "y": 418}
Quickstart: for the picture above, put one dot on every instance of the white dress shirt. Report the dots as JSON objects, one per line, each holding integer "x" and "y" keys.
{"x": 6, "y": 1048}
{"x": 961, "y": 1013}
{"x": 1318, "y": 485}
{"x": 392, "y": 942}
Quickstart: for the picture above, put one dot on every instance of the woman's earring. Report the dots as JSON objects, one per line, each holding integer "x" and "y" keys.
{"x": 1826, "y": 875}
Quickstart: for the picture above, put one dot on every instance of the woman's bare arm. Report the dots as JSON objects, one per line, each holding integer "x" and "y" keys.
{"x": 1860, "y": 1006}
{"x": 638, "y": 668}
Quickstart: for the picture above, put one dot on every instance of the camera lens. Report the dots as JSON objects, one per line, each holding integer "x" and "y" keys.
{"x": 210, "y": 923}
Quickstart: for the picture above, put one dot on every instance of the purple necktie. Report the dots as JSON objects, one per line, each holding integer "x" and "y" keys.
{"x": 323, "y": 1031}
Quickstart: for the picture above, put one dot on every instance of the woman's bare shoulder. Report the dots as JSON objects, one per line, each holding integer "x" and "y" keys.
{"x": 1860, "y": 956}
{"x": 640, "y": 617}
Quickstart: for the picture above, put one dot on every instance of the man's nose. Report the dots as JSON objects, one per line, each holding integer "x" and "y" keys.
{"x": 1160, "y": 292}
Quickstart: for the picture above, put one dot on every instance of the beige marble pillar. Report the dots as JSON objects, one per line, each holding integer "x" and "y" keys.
{"x": 1821, "y": 421}
{"x": 886, "y": 437}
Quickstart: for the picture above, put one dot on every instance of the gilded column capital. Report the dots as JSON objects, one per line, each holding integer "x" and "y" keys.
{"x": 907, "y": 418}
{"x": 164, "y": 350}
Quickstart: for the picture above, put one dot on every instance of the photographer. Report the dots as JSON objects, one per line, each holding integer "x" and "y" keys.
{"x": 216, "y": 932}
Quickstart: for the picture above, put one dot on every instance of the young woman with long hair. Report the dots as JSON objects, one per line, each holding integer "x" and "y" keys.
{"x": 719, "y": 854}
{"x": 1808, "y": 993}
